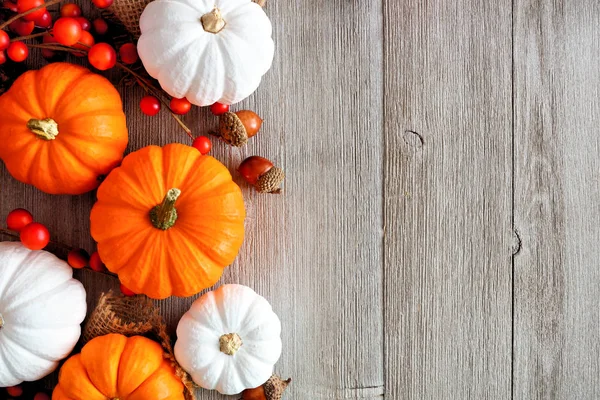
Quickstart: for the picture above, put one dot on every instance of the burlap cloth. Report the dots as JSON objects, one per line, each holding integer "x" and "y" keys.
{"x": 128, "y": 13}
{"x": 132, "y": 316}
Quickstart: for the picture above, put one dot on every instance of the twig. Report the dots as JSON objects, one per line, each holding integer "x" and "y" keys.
{"x": 35, "y": 35}
{"x": 16, "y": 17}
{"x": 140, "y": 79}
{"x": 7, "y": 232}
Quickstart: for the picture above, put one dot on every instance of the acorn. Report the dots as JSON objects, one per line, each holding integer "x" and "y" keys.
{"x": 272, "y": 390}
{"x": 236, "y": 128}
{"x": 262, "y": 174}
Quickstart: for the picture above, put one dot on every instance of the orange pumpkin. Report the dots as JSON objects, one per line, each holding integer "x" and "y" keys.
{"x": 62, "y": 129}
{"x": 116, "y": 367}
{"x": 168, "y": 220}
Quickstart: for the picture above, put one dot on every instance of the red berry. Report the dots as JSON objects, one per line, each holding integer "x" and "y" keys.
{"x": 180, "y": 106}
{"x": 70, "y": 10}
{"x": 48, "y": 54}
{"x": 102, "y": 3}
{"x": 87, "y": 41}
{"x": 35, "y": 236}
{"x": 26, "y": 5}
{"x": 18, "y": 219}
{"x": 96, "y": 263}
{"x": 67, "y": 31}
{"x": 126, "y": 291}
{"x": 100, "y": 26}
{"x": 78, "y": 258}
{"x": 85, "y": 23}
{"x": 22, "y": 27}
{"x": 218, "y": 108}
{"x": 4, "y": 40}
{"x": 202, "y": 144}
{"x": 11, "y": 6}
{"x": 102, "y": 56}
{"x": 128, "y": 53}
{"x": 150, "y": 105}
{"x": 17, "y": 51}
{"x": 44, "y": 21}
{"x": 41, "y": 396}
{"x": 15, "y": 391}
{"x": 2, "y": 57}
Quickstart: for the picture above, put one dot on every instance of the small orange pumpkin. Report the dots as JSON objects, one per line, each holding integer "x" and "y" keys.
{"x": 116, "y": 367}
{"x": 168, "y": 221}
{"x": 62, "y": 129}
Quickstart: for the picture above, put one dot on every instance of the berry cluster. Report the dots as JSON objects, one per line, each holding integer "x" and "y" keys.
{"x": 35, "y": 236}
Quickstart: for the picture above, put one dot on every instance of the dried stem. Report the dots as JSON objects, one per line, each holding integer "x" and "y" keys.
{"x": 16, "y": 17}
{"x": 16, "y": 235}
{"x": 140, "y": 79}
{"x": 35, "y": 35}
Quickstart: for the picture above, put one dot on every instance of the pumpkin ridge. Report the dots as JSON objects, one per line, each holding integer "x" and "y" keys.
{"x": 61, "y": 161}
{"x": 29, "y": 258}
{"x": 15, "y": 342}
{"x": 75, "y": 80}
{"x": 131, "y": 268}
{"x": 9, "y": 365}
{"x": 15, "y": 272}
{"x": 179, "y": 58}
{"x": 197, "y": 265}
{"x": 15, "y": 304}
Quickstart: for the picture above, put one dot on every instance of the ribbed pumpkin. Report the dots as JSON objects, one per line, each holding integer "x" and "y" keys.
{"x": 62, "y": 129}
{"x": 116, "y": 367}
{"x": 168, "y": 220}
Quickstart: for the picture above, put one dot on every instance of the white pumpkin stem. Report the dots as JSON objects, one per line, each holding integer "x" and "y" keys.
{"x": 46, "y": 129}
{"x": 261, "y": 3}
{"x": 164, "y": 215}
{"x": 213, "y": 21}
{"x": 230, "y": 343}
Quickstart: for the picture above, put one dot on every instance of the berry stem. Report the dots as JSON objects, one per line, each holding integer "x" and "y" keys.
{"x": 15, "y": 235}
{"x": 16, "y": 17}
{"x": 33, "y": 36}
{"x": 140, "y": 80}
{"x": 158, "y": 94}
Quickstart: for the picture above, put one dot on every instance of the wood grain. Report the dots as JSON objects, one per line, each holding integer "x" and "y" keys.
{"x": 315, "y": 252}
{"x": 447, "y": 193}
{"x": 557, "y": 211}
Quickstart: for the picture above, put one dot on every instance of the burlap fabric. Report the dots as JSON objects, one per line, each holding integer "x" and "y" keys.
{"x": 132, "y": 316}
{"x": 128, "y": 13}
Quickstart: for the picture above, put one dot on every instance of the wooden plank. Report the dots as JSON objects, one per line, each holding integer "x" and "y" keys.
{"x": 316, "y": 251}
{"x": 447, "y": 196}
{"x": 557, "y": 212}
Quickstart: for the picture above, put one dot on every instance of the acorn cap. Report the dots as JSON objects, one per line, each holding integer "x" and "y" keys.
{"x": 275, "y": 387}
{"x": 270, "y": 181}
{"x": 232, "y": 129}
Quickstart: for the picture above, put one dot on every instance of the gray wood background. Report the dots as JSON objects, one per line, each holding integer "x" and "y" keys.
{"x": 438, "y": 234}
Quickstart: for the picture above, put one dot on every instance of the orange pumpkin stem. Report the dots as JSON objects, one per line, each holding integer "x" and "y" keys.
{"x": 213, "y": 21}
{"x": 230, "y": 343}
{"x": 46, "y": 129}
{"x": 164, "y": 215}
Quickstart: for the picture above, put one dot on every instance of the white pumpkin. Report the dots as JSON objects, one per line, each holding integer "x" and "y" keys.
{"x": 206, "y": 50}
{"x": 229, "y": 340}
{"x": 41, "y": 309}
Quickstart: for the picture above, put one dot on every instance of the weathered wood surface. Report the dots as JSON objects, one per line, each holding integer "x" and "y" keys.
{"x": 412, "y": 161}
{"x": 557, "y": 199}
{"x": 315, "y": 252}
{"x": 447, "y": 191}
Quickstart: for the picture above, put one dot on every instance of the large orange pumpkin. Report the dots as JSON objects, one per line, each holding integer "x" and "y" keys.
{"x": 168, "y": 220}
{"x": 62, "y": 129}
{"x": 116, "y": 367}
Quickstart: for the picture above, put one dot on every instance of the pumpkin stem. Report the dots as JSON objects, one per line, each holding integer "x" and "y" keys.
{"x": 164, "y": 215}
{"x": 46, "y": 129}
{"x": 213, "y": 21}
{"x": 1, "y": 322}
{"x": 230, "y": 343}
